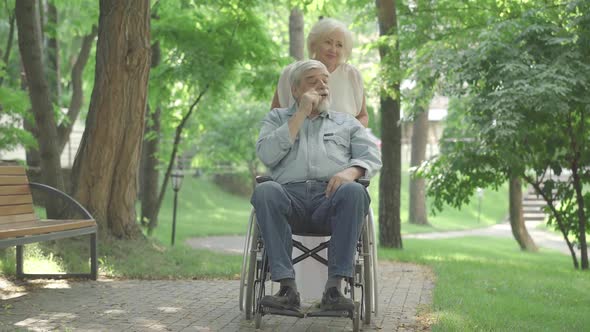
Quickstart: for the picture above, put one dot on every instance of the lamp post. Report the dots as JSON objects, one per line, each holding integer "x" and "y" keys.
{"x": 177, "y": 177}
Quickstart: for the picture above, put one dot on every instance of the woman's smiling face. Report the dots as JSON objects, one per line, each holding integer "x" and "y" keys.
{"x": 329, "y": 49}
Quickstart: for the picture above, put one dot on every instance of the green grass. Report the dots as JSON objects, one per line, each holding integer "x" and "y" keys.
{"x": 204, "y": 209}
{"x": 488, "y": 284}
{"x": 124, "y": 259}
{"x": 482, "y": 284}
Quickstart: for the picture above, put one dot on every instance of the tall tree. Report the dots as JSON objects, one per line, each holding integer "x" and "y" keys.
{"x": 390, "y": 179}
{"x": 418, "y": 213}
{"x": 149, "y": 173}
{"x": 229, "y": 47}
{"x": 29, "y": 41}
{"x": 66, "y": 126}
{"x": 296, "y": 36}
{"x": 53, "y": 62}
{"x": 524, "y": 87}
{"x": 106, "y": 166}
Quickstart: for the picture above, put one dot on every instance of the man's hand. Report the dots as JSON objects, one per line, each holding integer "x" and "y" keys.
{"x": 309, "y": 101}
{"x": 306, "y": 104}
{"x": 348, "y": 175}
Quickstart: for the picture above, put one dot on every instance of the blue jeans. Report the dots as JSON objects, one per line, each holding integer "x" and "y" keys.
{"x": 304, "y": 208}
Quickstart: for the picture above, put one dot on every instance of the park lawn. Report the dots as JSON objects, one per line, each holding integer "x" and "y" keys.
{"x": 481, "y": 284}
{"x": 204, "y": 210}
{"x": 124, "y": 259}
{"x": 488, "y": 284}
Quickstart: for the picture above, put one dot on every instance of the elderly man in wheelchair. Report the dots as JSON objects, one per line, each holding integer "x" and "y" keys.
{"x": 315, "y": 156}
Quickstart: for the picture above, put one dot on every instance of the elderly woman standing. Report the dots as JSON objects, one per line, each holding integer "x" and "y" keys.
{"x": 330, "y": 42}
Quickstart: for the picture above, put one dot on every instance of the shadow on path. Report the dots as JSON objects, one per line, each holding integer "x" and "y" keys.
{"x": 194, "y": 305}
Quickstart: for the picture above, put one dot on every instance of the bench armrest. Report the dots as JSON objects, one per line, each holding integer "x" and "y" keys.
{"x": 46, "y": 188}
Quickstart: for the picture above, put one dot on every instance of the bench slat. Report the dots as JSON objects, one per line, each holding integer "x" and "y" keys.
{"x": 15, "y": 189}
{"x": 12, "y": 170}
{"x": 41, "y": 227}
{"x": 13, "y": 179}
{"x": 15, "y": 199}
{"x": 17, "y": 218}
{"x": 16, "y": 209}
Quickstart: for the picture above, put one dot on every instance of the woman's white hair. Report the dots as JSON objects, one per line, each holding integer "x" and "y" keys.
{"x": 300, "y": 67}
{"x": 324, "y": 27}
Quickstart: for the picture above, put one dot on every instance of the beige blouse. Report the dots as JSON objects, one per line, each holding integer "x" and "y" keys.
{"x": 345, "y": 84}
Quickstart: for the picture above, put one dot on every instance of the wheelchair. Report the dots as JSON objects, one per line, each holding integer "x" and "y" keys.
{"x": 255, "y": 275}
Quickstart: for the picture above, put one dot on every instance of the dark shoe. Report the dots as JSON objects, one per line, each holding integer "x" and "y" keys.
{"x": 333, "y": 300}
{"x": 286, "y": 299}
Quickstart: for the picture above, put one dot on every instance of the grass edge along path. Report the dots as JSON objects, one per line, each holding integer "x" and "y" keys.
{"x": 489, "y": 284}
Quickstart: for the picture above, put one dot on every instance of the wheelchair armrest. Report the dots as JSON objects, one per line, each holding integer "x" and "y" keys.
{"x": 364, "y": 182}
{"x": 263, "y": 178}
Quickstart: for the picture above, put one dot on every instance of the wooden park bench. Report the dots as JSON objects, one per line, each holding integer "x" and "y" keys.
{"x": 19, "y": 225}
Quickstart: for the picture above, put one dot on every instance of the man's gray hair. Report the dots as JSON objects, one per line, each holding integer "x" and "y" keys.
{"x": 300, "y": 67}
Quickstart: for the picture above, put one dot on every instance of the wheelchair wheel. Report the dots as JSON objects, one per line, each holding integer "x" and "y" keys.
{"x": 245, "y": 261}
{"x": 258, "y": 320}
{"x": 375, "y": 263}
{"x": 253, "y": 266}
{"x": 260, "y": 291}
{"x": 356, "y": 317}
{"x": 368, "y": 290}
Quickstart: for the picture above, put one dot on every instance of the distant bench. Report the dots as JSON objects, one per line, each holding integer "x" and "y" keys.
{"x": 20, "y": 225}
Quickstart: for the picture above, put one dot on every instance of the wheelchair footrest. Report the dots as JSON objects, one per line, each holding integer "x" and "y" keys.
{"x": 283, "y": 312}
{"x": 329, "y": 313}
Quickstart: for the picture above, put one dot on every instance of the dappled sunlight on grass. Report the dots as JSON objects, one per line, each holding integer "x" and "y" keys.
{"x": 457, "y": 320}
{"x": 479, "y": 280}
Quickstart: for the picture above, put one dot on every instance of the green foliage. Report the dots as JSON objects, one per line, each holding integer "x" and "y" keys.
{"x": 229, "y": 139}
{"x": 525, "y": 109}
{"x": 15, "y": 106}
{"x": 221, "y": 48}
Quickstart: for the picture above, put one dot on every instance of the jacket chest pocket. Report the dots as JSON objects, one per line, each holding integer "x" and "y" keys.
{"x": 337, "y": 148}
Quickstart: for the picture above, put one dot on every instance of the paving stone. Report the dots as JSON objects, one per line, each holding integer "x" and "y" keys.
{"x": 197, "y": 305}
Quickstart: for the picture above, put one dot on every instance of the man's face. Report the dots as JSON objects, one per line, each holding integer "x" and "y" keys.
{"x": 317, "y": 80}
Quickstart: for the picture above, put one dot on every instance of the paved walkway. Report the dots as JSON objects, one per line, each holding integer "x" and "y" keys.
{"x": 191, "y": 305}
{"x": 543, "y": 238}
{"x": 212, "y": 305}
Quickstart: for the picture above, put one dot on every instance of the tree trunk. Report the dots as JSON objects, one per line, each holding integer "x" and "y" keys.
{"x": 418, "y": 214}
{"x": 521, "y": 235}
{"x": 32, "y": 154}
{"x": 65, "y": 129}
{"x": 149, "y": 178}
{"x": 106, "y": 166}
{"x": 296, "y": 37}
{"x": 9, "y": 42}
{"x": 578, "y": 187}
{"x": 150, "y": 175}
{"x": 53, "y": 73}
{"x": 390, "y": 179}
{"x": 29, "y": 40}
